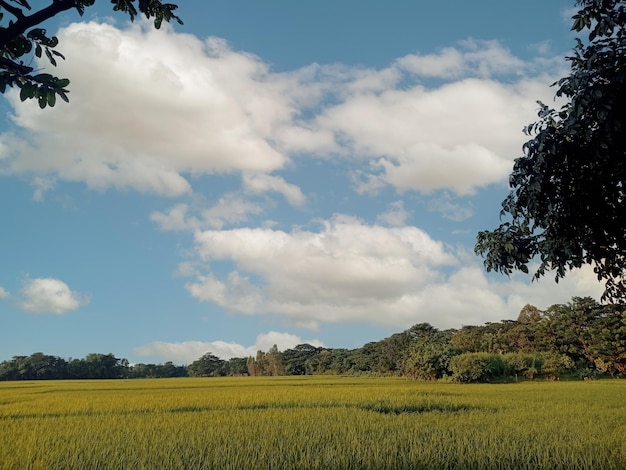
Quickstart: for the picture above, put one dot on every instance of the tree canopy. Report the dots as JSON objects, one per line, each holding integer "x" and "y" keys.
{"x": 566, "y": 207}
{"x": 21, "y": 39}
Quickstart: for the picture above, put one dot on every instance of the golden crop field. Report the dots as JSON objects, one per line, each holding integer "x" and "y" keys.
{"x": 311, "y": 422}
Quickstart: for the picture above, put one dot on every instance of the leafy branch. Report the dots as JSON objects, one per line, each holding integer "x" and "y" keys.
{"x": 20, "y": 40}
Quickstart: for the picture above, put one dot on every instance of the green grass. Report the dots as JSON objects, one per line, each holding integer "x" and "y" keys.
{"x": 311, "y": 422}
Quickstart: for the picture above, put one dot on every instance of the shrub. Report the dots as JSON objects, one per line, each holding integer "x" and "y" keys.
{"x": 478, "y": 367}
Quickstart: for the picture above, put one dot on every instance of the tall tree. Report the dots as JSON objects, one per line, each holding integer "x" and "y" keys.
{"x": 21, "y": 38}
{"x": 429, "y": 355}
{"x": 295, "y": 359}
{"x": 237, "y": 366}
{"x": 566, "y": 207}
{"x": 208, "y": 365}
{"x": 590, "y": 334}
{"x": 104, "y": 366}
{"x": 274, "y": 359}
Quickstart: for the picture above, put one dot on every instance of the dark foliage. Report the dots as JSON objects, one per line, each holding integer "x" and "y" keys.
{"x": 566, "y": 207}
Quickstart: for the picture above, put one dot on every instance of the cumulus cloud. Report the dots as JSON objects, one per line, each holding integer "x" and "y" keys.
{"x": 188, "y": 351}
{"x": 167, "y": 104}
{"x": 349, "y": 271}
{"x": 4, "y": 294}
{"x": 458, "y": 136}
{"x": 171, "y": 105}
{"x": 449, "y": 120}
{"x": 49, "y": 295}
{"x": 467, "y": 296}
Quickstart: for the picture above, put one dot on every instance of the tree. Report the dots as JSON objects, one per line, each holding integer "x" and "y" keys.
{"x": 566, "y": 206}
{"x": 295, "y": 359}
{"x": 274, "y": 359}
{"x": 21, "y": 38}
{"x": 429, "y": 356}
{"x": 237, "y": 366}
{"x": 208, "y": 365}
{"x": 592, "y": 335}
{"x": 477, "y": 367}
{"x": 45, "y": 366}
{"x": 104, "y": 366}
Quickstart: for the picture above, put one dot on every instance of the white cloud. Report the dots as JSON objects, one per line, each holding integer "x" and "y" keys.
{"x": 396, "y": 216}
{"x": 450, "y": 209}
{"x": 459, "y": 136}
{"x": 466, "y": 297}
{"x": 188, "y": 351}
{"x": 346, "y": 271}
{"x": 49, "y": 295}
{"x": 236, "y": 292}
{"x": 446, "y": 63}
{"x": 471, "y": 57}
{"x": 229, "y": 209}
{"x": 257, "y": 183}
{"x": 470, "y": 297}
{"x": 581, "y": 282}
{"x": 175, "y": 219}
{"x": 166, "y": 104}
{"x": 4, "y": 294}
{"x": 170, "y": 106}
{"x": 41, "y": 186}
{"x": 353, "y": 272}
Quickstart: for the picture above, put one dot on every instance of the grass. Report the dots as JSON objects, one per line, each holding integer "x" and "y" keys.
{"x": 311, "y": 422}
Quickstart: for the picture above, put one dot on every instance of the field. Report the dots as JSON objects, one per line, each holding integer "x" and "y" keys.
{"x": 311, "y": 422}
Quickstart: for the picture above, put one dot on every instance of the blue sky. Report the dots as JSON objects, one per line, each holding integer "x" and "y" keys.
{"x": 271, "y": 173}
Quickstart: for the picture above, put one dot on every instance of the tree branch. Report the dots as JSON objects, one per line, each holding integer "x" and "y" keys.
{"x": 22, "y": 24}
{"x": 15, "y": 11}
{"x": 20, "y": 69}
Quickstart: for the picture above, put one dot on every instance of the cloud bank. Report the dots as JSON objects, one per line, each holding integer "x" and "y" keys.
{"x": 152, "y": 109}
{"x": 349, "y": 271}
{"x": 188, "y": 351}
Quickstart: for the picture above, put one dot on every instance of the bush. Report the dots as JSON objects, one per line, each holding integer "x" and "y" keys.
{"x": 478, "y": 367}
{"x": 525, "y": 365}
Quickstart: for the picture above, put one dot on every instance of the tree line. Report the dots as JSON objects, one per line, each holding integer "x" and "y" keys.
{"x": 580, "y": 339}
{"x": 40, "y": 366}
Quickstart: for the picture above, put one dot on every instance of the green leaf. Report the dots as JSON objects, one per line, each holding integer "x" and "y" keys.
{"x": 52, "y": 99}
{"x": 42, "y": 100}
{"x": 63, "y": 95}
{"x": 50, "y": 58}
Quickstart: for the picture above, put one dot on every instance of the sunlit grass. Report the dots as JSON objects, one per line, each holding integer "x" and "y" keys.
{"x": 311, "y": 422}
